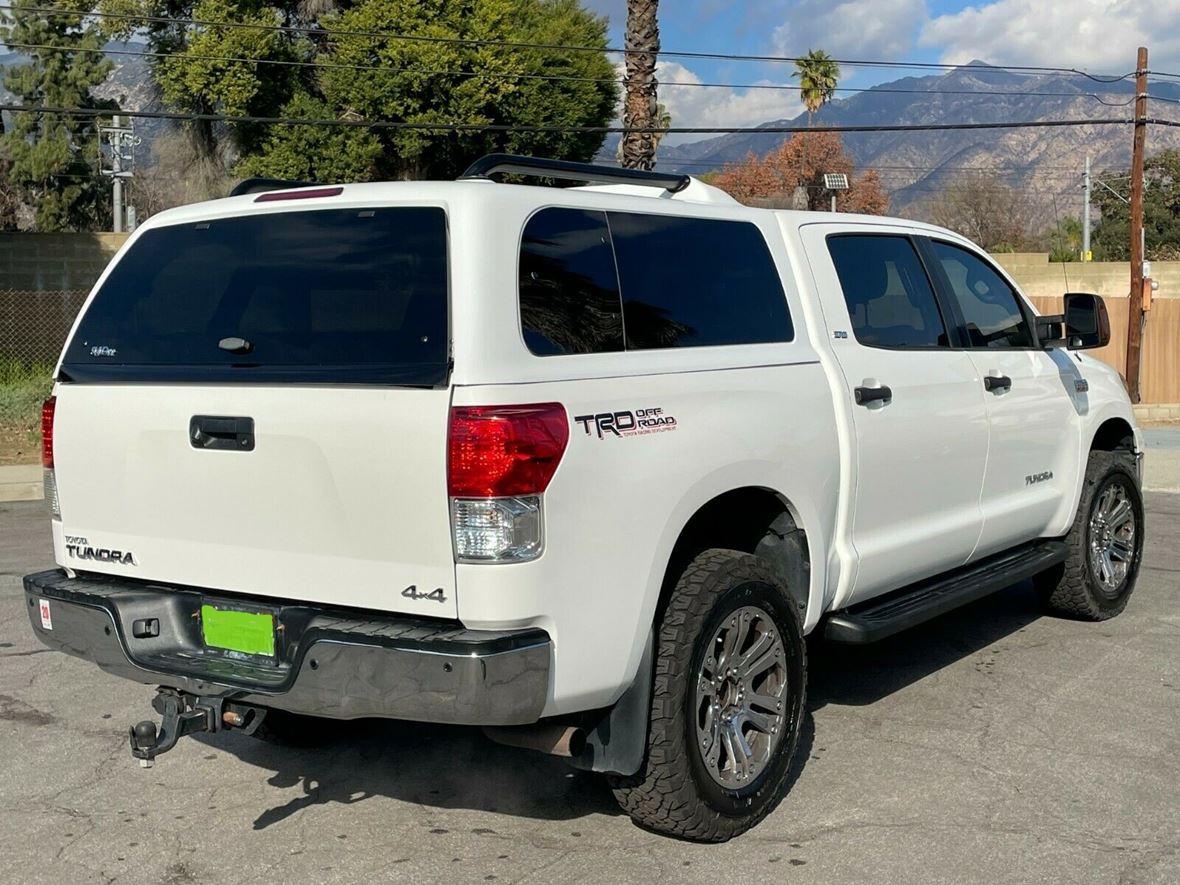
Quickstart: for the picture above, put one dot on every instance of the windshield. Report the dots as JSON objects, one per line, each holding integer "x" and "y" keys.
{"x": 357, "y": 295}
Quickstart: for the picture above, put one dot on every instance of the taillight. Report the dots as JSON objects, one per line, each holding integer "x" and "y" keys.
{"x": 500, "y": 460}
{"x": 48, "y": 410}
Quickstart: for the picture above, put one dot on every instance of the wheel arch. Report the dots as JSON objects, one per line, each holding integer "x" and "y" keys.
{"x": 754, "y": 519}
{"x": 1113, "y": 435}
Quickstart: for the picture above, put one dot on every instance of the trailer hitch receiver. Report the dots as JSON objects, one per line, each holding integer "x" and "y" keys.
{"x": 187, "y": 714}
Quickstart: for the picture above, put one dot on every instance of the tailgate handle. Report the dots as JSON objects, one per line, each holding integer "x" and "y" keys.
{"x": 217, "y": 432}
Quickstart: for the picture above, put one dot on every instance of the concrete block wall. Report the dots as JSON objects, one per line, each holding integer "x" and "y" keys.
{"x": 1111, "y": 279}
{"x": 55, "y": 262}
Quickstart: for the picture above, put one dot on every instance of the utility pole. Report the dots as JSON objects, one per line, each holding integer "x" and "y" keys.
{"x": 1135, "y": 302}
{"x": 122, "y": 141}
{"x": 1086, "y": 212}
{"x": 116, "y": 182}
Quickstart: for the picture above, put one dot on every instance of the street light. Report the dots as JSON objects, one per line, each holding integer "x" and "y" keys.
{"x": 835, "y": 181}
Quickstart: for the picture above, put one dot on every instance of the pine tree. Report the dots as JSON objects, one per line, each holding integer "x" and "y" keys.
{"x": 52, "y": 159}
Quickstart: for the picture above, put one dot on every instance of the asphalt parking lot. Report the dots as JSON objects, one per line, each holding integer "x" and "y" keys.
{"x": 993, "y": 745}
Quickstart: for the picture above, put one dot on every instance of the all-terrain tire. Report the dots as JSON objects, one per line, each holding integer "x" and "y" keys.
{"x": 1074, "y": 589}
{"x": 674, "y": 792}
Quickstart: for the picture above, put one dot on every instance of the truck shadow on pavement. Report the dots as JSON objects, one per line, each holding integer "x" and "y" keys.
{"x": 449, "y": 767}
{"x": 851, "y": 675}
{"x": 434, "y": 766}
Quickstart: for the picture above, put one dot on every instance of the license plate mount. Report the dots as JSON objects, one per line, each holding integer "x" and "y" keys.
{"x": 238, "y": 631}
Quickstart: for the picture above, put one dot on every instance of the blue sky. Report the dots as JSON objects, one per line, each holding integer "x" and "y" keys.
{"x": 1100, "y": 36}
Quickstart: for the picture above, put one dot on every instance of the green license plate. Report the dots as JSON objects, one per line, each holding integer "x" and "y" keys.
{"x": 251, "y": 633}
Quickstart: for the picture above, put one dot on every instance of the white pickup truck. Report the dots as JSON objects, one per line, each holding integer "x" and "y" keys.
{"x": 582, "y": 466}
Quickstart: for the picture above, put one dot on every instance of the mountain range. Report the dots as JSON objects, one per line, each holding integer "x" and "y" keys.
{"x": 1046, "y": 163}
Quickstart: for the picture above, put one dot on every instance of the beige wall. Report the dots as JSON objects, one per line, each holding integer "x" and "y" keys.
{"x": 54, "y": 262}
{"x": 1040, "y": 279}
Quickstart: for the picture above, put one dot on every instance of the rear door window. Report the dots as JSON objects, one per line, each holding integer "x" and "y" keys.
{"x": 326, "y": 295}
{"x": 890, "y": 300}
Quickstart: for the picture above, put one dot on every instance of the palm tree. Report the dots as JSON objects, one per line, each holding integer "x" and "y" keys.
{"x": 818, "y": 74}
{"x": 642, "y": 43}
{"x": 663, "y": 123}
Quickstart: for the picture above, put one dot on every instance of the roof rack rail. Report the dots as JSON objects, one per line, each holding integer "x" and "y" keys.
{"x": 493, "y": 164}
{"x": 262, "y": 185}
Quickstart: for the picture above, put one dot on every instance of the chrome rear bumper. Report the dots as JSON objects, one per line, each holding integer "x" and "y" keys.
{"x": 333, "y": 663}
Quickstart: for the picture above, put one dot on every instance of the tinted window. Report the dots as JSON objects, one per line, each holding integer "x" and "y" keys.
{"x": 569, "y": 291}
{"x": 988, "y": 304}
{"x": 322, "y": 295}
{"x": 690, "y": 282}
{"x": 890, "y": 300}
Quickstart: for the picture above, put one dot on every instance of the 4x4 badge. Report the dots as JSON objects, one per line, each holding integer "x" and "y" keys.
{"x": 435, "y": 595}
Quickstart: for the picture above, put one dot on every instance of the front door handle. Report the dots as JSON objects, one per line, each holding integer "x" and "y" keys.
{"x": 997, "y": 382}
{"x": 866, "y": 395}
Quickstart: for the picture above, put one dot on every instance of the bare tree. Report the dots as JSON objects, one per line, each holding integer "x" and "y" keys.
{"x": 180, "y": 174}
{"x": 983, "y": 208}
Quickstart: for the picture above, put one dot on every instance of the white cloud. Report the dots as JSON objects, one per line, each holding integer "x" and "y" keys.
{"x": 707, "y": 106}
{"x": 1095, "y": 35}
{"x": 877, "y": 29}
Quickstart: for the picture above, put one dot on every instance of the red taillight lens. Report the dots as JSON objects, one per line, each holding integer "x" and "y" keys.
{"x": 497, "y": 451}
{"x": 47, "y": 410}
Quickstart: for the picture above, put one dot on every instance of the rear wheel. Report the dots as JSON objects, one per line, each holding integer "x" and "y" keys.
{"x": 727, "y": 702}
{"x": 1105, "y": 543}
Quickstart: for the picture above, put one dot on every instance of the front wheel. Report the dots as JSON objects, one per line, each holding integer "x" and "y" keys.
{"x": 1105, "y": 543}
{"x": 727, "y": 702}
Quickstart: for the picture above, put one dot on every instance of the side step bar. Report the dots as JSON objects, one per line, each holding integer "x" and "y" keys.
{"x": 910, "y": 606}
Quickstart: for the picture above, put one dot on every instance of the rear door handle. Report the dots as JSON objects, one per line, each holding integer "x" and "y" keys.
{"x": 997, "y": 382}
{"x": 866, "y": 395}
{"x": 219, "y": 432}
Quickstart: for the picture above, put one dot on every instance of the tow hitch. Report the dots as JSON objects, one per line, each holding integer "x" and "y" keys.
{"x": 188, "y": 714}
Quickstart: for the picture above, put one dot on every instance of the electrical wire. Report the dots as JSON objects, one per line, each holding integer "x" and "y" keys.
{"x": 511, "y": 127}
{"x": 554, "y": 47}
{"x": 504, "y": 75}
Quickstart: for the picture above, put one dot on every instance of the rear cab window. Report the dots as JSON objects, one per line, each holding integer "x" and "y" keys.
{"x": 597, "y": 282}
{"x": 325, "y": 295}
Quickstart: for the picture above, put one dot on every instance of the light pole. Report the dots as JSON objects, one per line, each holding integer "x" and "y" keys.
{"x": 835, "y": 181}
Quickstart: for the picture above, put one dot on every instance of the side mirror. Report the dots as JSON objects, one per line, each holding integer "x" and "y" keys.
{"x": 1087, "y": 324}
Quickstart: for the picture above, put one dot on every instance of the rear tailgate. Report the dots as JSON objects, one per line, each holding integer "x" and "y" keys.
{"x": 342, "y": 500}
{"x": 325, "y": 334}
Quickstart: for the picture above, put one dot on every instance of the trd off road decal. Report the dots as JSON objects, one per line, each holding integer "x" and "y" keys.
{"x": 632, "y": 422}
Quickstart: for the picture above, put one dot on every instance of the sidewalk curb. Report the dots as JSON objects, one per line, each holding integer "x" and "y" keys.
{"x": 21, "y": 482}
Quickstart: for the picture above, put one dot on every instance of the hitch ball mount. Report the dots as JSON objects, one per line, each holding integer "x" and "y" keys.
{"x": 188, "y": 714}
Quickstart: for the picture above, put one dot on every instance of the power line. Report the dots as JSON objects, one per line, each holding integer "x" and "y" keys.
{"x": 190, "y": 57}
{"x": 511, "y": 127}
{"x": 558, "y": 47}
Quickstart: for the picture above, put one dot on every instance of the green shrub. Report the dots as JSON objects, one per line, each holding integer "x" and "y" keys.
{"x": 23, "y": 387}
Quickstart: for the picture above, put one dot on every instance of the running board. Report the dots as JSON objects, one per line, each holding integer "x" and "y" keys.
{"x": 913, "y": 605}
